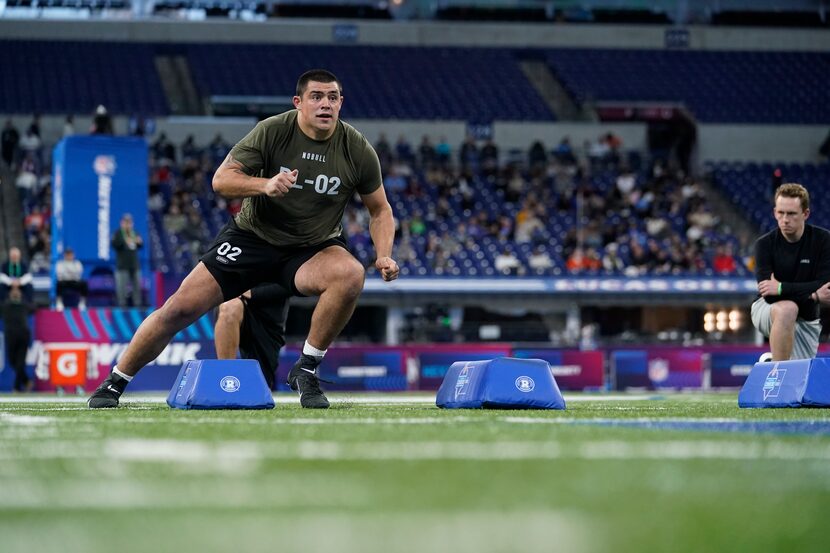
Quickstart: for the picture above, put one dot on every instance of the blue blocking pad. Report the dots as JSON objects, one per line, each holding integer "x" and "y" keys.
{"x": 802, "y": 382}
{"x": 220, "y": 384}
{"x": 502, "y": 383}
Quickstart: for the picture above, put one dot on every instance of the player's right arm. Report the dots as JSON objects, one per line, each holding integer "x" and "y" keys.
{"x": 233, "y": 180}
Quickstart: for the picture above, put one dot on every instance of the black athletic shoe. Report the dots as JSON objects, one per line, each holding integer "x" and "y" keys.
{"x": 107, "y": 394}
{"x": 303, "y": 379}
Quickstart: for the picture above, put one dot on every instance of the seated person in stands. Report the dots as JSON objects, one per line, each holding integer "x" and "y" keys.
{"x": 508, "y": 264}
{"x": 15, "y": 273}
{"x": 69, "y": 274}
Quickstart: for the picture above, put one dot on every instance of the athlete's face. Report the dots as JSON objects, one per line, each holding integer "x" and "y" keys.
{"x": 791, "y": 218}
{"x": 319, "y": 108}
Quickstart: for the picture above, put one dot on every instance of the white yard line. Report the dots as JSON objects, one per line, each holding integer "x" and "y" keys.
{"x": 290, "y": 399}
{"x": 224, "y": 456}
{"x": 25, "y": 420}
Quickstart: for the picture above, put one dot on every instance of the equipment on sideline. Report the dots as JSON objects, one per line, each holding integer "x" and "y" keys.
{"x": 502, "y": 383}
{"x": 220, "y": 384}
{"x": 801, "y": 382}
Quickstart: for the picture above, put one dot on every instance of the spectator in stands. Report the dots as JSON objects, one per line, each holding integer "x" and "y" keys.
{"x": 614, "y": 144}
{"x": 69, "y": 273}
{"x": 136, "y": 126}
{"x": 26, "y": 181}
{"x": 528, "y": 223}
{"x": 417, "y": 226}
{"x": 188, "y": 148}
{"x": 217, "y": 149}
{"x": 468, "y": 155}
{"x": 164, "y": 149}
{"x": 564, "y": 152}
{"x": 174, "y": 220}
{"x": 540, "y": 260}
{"x": 383, "y": 150}
{"x": 194, "y": 235}
{"x": 537, "y": 156}
{"x": 403, "y": 150}
{"x": 508, "y": 264}
{"x": 611, "y": 261}
{"x": 31, "y": 146}
{"x": 16, "y": 310}
{"x": 69, "y": 126}
{"x": 793, "y": 262}
{"x": 576, "y": 261}
{"x": 16, "y": 275}
{"x": 598, "y": 151}
{"x": 724, "y": 262}
{"x": 101, "y": 122}
{"x": 126, "y": 243}
{"x": 443, "y": 151}
{"x": 34, "y": 125}
{"x": 426, "y": 152}
{"x": 489, "y": 156}
{"x": 9, "y": 139}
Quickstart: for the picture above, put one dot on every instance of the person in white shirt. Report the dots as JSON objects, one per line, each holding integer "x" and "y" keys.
{"x": 507, "y": 264}
{"x": 69, "y": 274}
{"x": 539, "y": 260}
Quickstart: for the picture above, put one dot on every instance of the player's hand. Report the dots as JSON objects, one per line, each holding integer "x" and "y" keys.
{"x": 823, "y": 294}
{"x": 279, "y": 185}
{"x": 768, "y": 287}
{"x": 388, "y": 268}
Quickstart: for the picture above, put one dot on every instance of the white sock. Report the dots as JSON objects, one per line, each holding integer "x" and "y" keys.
{"x": 308, "y": 349}
{"x": 122, "y": 375}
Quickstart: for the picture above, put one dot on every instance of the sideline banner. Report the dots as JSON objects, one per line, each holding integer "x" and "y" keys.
{"x": 106, "y": 332}
{"x": 95, "y": 180}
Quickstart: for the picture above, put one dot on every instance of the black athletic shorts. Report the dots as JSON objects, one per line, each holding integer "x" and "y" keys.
{"x": 239, "y": 260}
{"x": 263, "y": 327}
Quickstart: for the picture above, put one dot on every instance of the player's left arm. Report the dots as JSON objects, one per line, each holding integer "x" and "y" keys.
{"x": 822, "y": 293}
{"x": 382, "y": 231}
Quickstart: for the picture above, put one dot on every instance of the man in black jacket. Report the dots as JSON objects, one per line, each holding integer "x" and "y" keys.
{"x": 126, "y": 243}
{"x": 792, "y": 263}
{"x": 16, "y": 329}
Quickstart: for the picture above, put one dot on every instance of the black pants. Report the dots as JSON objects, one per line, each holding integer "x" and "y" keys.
{"x": 16, "y": 347}
{"x": 78, "y": 286}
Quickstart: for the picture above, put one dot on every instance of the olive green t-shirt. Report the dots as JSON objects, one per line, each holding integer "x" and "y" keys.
{"x": 329, "y": 173}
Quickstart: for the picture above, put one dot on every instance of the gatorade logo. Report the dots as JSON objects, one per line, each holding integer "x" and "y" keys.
{"x": 229, "y": 384}
{"x": 67, "y": 364}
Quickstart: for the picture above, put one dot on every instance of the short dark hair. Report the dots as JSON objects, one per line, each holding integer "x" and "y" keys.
{"x": 317, "y": 75}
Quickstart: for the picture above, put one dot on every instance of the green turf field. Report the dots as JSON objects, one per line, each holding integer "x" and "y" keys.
{"x": 394, "y": 473}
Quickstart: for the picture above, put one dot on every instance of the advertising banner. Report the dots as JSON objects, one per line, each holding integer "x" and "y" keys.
{"x": 572, "y": 369}
{"x": 96, "y": 180}
{"x": 657, "y": 368}
{"x": 370, "y": 368}
{"x": 432, "y": 363}
{"x": 105, "y": 333}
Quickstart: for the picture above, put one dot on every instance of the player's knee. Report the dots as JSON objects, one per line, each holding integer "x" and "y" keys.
{"x": 231, "y": 312}
{"x": 784, "y": 312}
{"x": 349, "y": 275}
{"x": 178, "y": 313}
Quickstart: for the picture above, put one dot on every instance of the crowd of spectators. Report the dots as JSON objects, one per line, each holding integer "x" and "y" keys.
{"x": 594, "y": 210}
{"x": 467, "y": 209}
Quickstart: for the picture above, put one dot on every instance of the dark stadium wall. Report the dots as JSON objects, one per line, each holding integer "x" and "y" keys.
{"x": 412, "y": 33}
